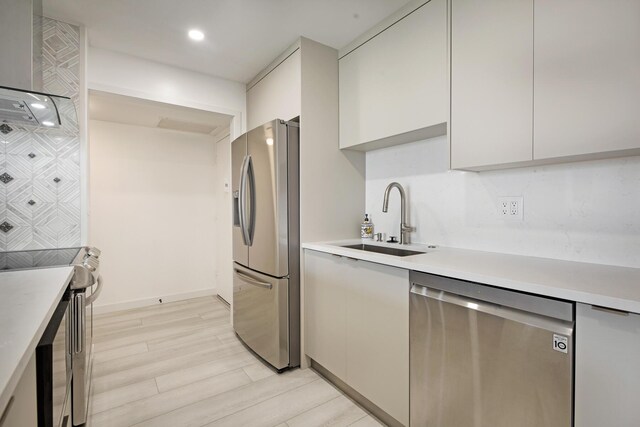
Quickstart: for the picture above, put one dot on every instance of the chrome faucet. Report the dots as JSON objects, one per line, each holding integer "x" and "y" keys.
{"x": 404, "y": 227}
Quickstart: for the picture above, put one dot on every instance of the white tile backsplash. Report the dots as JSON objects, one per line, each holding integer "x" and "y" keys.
{"x": 586, "y": 211}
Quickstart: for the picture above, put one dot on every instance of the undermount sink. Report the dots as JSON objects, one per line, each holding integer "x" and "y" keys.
{"x": 383, "y": 250}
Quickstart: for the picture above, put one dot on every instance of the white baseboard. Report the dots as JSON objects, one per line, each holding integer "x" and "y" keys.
{"x": 145, "y": 302}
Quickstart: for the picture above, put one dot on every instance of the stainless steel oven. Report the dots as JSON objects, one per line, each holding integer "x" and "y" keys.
{"x": 82, "y": 346}
{"x": 53, "y": 367}
{"x": 86, "y": 285}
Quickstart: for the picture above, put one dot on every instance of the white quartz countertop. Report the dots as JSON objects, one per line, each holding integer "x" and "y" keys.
{"x": 602, "y": 285}
{"x": 28, "y": 299}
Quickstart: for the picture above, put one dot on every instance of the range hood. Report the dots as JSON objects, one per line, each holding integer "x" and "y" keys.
{"x": 36, "y": 110}
{"x": 22, "y": 103}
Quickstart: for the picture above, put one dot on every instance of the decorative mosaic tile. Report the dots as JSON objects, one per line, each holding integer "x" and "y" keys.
{"x": 36, "y": 158}
{"x": 6, "y": 178}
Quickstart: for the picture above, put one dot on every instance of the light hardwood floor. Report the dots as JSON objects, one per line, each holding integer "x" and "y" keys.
{"x": 181, "y": 364}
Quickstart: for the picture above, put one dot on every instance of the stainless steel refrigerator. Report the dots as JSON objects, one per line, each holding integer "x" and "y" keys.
{"x": 266, "y": 242}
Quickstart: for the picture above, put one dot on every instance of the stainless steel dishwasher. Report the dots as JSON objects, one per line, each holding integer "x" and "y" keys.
{"x": 484, "y": 356}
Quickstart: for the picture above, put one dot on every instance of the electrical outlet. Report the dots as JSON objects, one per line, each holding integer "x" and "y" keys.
{"x": 511, "y": 208}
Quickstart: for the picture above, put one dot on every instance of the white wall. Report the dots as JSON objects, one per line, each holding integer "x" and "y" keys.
{"x": 152, "y": 213}
{"x": 588, "y": 211}
{"x": 224, "y": 237}
{"x": 132, "y": 76}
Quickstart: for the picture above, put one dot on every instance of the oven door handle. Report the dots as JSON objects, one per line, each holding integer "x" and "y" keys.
{"x": 78, "y": 323}
{"x": 96, "y": 293}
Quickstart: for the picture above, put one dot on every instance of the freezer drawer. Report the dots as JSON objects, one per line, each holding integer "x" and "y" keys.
{"x": 261, "y": 314}
{"x": 479, "y": 362}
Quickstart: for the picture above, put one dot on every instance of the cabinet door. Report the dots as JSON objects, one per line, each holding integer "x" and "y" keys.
{"x": 22, "y": 409}
{"x": 607, "y": 368}
{"x": 396, "y": 82}
{"x": 378, "y": 336}
{"x": 587, "y": 86}
{"x": 277, "y": 95}
{"x": 325, "y": 299}
{"x": 491, "y": 82}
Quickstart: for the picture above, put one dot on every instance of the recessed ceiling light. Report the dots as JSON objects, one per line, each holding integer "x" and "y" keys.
{"x": 38, "y": 106}
{"x": 196, "y": 35}
{"x": 47, "y": 123}
{"x": 269, "y": 141}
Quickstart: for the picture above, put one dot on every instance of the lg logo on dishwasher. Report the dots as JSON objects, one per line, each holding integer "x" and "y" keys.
{"x": 560, "y": 343}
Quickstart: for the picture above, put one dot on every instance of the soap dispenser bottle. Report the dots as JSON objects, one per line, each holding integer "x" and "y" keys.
{"x": 366, "y": 228}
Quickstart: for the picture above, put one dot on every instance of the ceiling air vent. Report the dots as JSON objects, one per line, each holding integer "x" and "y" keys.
{"x": 179, "y": 125}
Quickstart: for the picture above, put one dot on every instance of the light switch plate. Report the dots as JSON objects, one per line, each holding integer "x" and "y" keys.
{"x": 511, "y": 207}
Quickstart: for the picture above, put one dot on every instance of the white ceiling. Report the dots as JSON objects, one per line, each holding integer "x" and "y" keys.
{"x": 242, "y": 36}
{"x": 133, "y": 111}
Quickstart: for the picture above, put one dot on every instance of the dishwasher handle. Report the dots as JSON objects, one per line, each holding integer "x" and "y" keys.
{"x": 550, "y": 324}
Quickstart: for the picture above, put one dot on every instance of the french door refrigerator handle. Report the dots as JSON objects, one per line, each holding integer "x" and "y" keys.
{"x": 532, "y": 319}
{"x": 252, "y": 199}
{"x": 242, "y": 206}
{"x": 250, "y": 280}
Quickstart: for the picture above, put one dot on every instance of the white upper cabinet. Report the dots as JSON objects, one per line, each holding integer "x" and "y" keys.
{"x": 543, "y": 81}
{"x": 276, "y": 95}
{"x": 491, "y": 82}
{"x": 393, "y": 86}
{"x": 587, "y": 77}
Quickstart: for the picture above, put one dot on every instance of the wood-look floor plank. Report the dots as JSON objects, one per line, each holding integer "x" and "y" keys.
{"x": 157, "y": 368}
{"x": 258, "y": 371}
{"x": 116, "y": 353}
{"x": 188, "y": 337}
{"x": 367, "y": 421}
{"x": 154, "y": 406}
{"x": 138, "y": 360}
{"x": 193, "y": 373}
{"x": 115, "y": 326}
{"x": 209, "y": 315}
{"x": 219, "y": 406}
{"x": 119, "y": 396}
{"x": 137, "y": 313}
{"x": 340, "y": 411}
{"x": 145, "y": 333}
{"x": 228, "y": 337}
{"x": 161, "y": 318}
{"x": 281, "y": 407}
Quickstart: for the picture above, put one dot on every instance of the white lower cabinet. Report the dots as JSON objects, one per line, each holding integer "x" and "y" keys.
{"x": 357, "y": 327}
{"x": 22, "y": 408}
{"x": 607, "y": 387}
{"x": 325, "y": 311}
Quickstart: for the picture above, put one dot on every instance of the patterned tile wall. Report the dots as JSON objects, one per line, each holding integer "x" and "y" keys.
{"x": 40, "y": 204}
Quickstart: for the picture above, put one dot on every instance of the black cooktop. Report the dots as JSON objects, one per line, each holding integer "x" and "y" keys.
{"x": 40, "y": 258}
